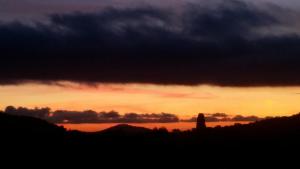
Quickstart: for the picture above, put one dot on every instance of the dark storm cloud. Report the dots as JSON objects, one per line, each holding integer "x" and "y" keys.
{"x": 231, "y": 21}
{"x": 227, "y": 45}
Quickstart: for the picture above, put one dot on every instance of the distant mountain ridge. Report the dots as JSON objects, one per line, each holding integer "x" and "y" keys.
{"x": 125, "y": 129}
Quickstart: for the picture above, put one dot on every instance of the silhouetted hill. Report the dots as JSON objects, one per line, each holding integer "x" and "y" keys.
{"x": 125, "y": 129}
{"x": 28, "y": 124}
{"x": 22, "y": 130}
{"x": 268, "y": 128}
{"x": 276, "y": 137}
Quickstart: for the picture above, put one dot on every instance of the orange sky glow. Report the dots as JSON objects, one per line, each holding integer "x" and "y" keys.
{"x": 184, "y": 101}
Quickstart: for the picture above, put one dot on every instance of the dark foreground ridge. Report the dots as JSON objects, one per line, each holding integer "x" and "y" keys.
{"x": 276, "y": 137}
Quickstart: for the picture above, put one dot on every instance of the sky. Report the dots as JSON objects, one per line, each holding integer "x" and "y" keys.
{"x": 183, "y": 101}
{"x": 176, "y": 56}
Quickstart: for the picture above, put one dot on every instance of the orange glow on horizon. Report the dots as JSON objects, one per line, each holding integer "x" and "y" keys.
{"x": 184, "y": 101}
{"x": 94, "y": 127}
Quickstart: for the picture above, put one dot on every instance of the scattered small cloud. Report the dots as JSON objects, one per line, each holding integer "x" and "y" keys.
{"x": 223, "y": 117}
{"x": 90, "y": 116}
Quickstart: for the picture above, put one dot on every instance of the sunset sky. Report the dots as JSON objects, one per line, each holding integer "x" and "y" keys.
{"x": 142, "y": 56}
{"x": 184, "y": 101}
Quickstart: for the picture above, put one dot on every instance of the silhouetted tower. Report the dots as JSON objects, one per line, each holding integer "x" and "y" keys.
{"x": 200, "y": 122}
